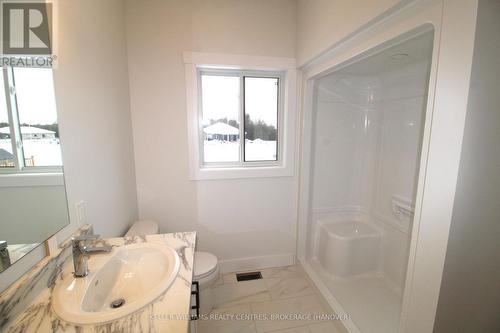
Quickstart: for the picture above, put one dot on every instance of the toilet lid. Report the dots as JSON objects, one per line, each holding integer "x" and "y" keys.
{"x": 204, "y": 264}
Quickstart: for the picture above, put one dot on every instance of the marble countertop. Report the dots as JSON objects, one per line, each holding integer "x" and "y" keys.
{"x": 168, "y": 313}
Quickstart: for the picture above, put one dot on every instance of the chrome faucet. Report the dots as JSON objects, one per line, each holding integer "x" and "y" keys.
{"x": 81, "y": 250}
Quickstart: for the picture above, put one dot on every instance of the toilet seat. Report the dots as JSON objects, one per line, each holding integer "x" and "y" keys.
{"x": 204, "y": 264}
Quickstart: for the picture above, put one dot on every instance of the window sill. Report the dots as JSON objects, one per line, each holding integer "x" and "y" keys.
{"x": 209, "y": 173}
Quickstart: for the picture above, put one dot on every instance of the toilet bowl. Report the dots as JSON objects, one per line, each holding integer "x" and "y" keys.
{"x": 205, "y": 268}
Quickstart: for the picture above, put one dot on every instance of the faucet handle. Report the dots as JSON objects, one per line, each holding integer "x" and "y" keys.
{"x": 80, "y": 238}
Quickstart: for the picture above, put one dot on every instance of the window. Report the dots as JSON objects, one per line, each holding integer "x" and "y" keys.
{"x": 6, "y": 152}
{"x": 29, "y": 133}
{"x": 240, "y": 117}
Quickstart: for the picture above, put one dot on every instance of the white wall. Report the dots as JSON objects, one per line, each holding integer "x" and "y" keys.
{"x": 234, "y": 218}
{"x": 323, "y": 23}
{"x": 469, "y": 299}
{"x": 91, "y": 86}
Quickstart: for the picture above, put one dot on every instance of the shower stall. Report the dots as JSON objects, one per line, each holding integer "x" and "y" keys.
{"x": 365, "y": 143}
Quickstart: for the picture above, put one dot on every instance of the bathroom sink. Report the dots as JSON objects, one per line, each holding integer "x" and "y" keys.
{"x": 119, "y": 283}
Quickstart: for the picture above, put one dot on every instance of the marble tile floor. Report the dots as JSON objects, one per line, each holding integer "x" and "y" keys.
{"x": 283, "y": 301}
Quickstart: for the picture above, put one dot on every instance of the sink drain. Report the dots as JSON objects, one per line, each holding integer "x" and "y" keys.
{"x": 117, "y": 303}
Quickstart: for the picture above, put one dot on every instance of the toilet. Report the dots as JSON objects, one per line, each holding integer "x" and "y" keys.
{"x": 206, "y": 272}
{"x": 141, "y": 228}
{"x": 206, "y": 265}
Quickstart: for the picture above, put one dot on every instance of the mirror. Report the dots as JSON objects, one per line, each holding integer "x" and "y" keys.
{"x": 33, "y": 204}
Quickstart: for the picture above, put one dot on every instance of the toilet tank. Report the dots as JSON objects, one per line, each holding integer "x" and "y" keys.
{"x": 144, "y": 227}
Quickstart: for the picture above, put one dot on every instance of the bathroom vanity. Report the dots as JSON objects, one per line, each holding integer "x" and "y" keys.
{"x": 44, "y": 298}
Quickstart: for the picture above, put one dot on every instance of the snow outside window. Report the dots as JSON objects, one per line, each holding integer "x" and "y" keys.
{"x": 29, "y": 132}
{"x": 240, "y": 117}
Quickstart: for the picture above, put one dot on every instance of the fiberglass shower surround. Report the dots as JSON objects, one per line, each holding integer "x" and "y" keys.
{"x": 366, "y": 143}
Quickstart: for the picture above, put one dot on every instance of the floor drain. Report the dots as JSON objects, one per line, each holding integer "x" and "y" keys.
{"x": 117, "y": 303}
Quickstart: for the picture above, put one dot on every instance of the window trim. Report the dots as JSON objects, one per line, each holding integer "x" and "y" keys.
{"x": 7, "y": 75}
{"x": 241, "y": 74}
{"x": 195, "y": 64}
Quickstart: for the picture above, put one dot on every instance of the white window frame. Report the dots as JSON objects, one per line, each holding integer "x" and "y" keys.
{"x": 284, "y": 68}
{"x": 7, "y": 75}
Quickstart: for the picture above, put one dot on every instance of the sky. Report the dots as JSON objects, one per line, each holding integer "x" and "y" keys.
{"x": 221, "y": 98}
{"x": 35, "y": 96}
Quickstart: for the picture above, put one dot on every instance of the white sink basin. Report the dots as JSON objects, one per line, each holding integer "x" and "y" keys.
{"x": 130, "y": 277}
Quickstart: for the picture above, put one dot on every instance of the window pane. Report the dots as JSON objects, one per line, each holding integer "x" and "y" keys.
{"x": 261, "y": 119}
{"x": 221, "y": 118}
{"x": 6, "y": 156}
{"x": 37, "y": 116}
